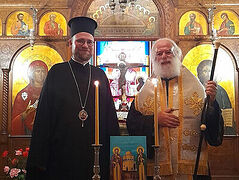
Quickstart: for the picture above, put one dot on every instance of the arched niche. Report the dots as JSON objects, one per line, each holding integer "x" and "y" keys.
{"x": 198, "y": 61}
{"x": 53, "y": 24}
{"x": 193, "y": 23}
{"x": 226, "y": 22}
{"x": 19, "y": 23}
{"x": 140, "y": 19}
{"x": 28, "y": 72}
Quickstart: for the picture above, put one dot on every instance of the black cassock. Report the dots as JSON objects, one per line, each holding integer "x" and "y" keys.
{"x": 60, "y": 147}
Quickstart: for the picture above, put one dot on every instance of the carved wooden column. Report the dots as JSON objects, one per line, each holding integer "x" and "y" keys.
{"x": 5, "y": 101}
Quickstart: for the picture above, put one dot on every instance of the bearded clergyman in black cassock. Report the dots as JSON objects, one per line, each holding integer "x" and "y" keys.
{"x": 64, "y": 127}
{"x": 180, "y": 98}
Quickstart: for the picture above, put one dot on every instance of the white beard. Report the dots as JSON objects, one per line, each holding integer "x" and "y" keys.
{"x": 167, "y": 70}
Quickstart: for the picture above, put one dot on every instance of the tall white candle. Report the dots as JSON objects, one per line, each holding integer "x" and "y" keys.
{"x": 96, "y": 112}
{"x": 156, "y": 132}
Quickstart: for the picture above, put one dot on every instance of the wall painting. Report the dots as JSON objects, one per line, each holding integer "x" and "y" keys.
{"x": 193, "y": 23}
{"x": 199, "y": 60}
{"x": 19, "y": 23}
{"x": 53, "y": 24}
{"x": 29, "y": 71}
{"x": 226, "y": 23}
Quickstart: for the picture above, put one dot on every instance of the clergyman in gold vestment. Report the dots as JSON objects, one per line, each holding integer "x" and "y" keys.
{"x": 180, "y": 98}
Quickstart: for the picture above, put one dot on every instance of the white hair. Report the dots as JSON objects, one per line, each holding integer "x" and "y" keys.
{"x": 169, "y": 70}
{"x": 176, "y": 50}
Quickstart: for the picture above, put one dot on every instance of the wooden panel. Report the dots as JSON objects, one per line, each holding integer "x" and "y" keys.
{"x": 224, "y": 159}
{"x": 18, "y": 142}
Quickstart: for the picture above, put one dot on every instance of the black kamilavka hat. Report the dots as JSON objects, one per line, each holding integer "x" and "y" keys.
{"x": 82, "y": 24}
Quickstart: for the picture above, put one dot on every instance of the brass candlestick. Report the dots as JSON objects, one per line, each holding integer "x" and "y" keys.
{"x": 96, "y": 168}
{"x": 156, "y": 163}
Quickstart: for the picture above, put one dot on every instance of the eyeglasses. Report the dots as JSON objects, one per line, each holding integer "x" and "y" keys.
{"x": 89, "y": 43}
{"x": 167, "y": 53}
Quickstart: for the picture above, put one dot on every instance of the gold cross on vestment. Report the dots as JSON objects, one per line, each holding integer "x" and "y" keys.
{"x": 195, "y": 103}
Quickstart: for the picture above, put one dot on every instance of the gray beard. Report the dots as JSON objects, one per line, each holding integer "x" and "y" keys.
{"x": 168, "y": 70}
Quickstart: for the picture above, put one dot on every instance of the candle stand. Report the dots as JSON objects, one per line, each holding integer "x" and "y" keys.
{"x": 96, "y": 168}
{"x": 156, "y": 163}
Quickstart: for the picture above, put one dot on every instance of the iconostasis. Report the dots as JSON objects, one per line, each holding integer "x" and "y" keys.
{"x": 31, "y": 45}
{"x": 126, "y": 63}
{"x": 31, "y": 64}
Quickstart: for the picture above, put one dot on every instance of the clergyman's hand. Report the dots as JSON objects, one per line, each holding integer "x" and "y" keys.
{"x": 167, "y": 119}
{"x": 211, "y": 90}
